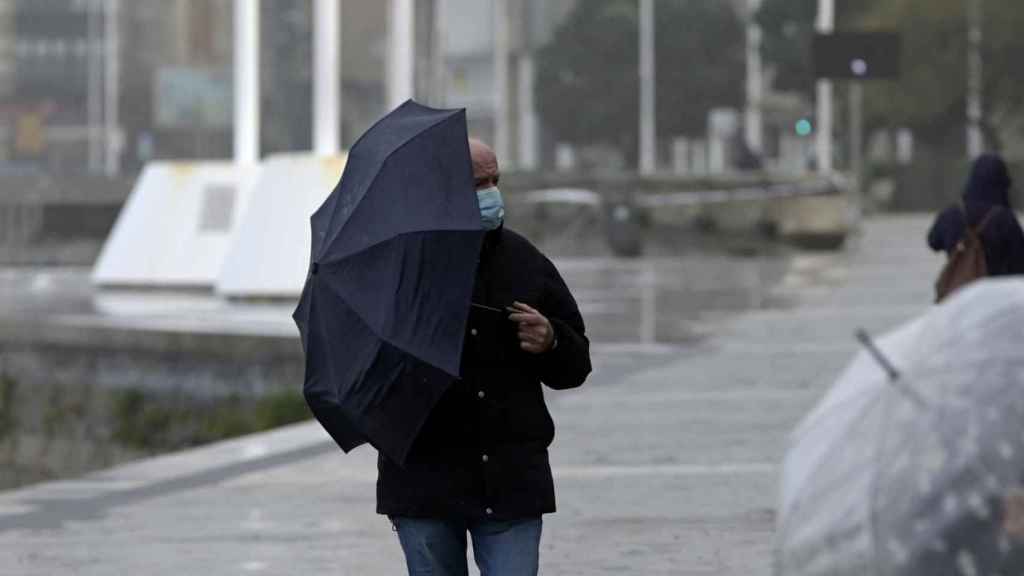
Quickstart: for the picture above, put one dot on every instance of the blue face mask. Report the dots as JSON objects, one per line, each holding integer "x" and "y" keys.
{"x": 492, "y": 208}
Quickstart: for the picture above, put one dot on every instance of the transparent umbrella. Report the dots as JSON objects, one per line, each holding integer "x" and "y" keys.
{"x": 918, "y": 467}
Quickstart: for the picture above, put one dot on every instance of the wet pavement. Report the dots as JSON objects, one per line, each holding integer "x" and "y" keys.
{"x": 625, "y": 301}
{"x": 665, "y": 462}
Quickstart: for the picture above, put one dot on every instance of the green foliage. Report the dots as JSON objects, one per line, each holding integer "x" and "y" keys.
{"x": 930, "y": 95}
{"x": 154, "y": 423}
{"x": 139, "y": 423}
{"x": 281, "y": 408}
{"x": 8, "y": 415}
{"x": 788, "y": 27}
{"x": 587, "y": 75}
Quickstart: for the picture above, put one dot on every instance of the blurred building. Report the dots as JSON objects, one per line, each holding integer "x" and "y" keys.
{"x": 174, "y": 79}
{"x": 173, "y": 76}
{"x": 470, "y": 70}
{"x": 46, "y": 48}
{"x": 56, "y": 59}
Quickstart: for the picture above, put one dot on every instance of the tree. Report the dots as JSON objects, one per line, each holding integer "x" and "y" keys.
{"x": 788, "y": 27}
{"x": 588, "y": 74}
{"x": 930, "y": 95}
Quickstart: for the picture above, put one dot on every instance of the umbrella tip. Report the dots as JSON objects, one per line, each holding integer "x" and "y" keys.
{"x": 869, "y": 344}
{"x": 895, "y": 378}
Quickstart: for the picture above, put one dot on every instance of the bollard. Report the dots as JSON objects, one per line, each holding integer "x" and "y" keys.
{"x": 624, "y": 227}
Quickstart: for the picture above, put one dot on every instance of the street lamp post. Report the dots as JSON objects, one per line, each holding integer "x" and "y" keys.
{"x": 975, "y": 139}
{"x": 113, "y": 84}
{"x": 247, "y": 81}
{"x": 648, "y": 135}
{"x": 825, "y": 25}
{"x": 401, "y": 40}
{"x": 753, "y": 124}
{"x": 326, "y": 76}
{"x": 502, "y": 108}
{"x": 94, "y": 94}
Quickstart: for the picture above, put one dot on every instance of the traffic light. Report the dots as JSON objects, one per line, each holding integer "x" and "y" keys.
{"x": 804, "y": 127}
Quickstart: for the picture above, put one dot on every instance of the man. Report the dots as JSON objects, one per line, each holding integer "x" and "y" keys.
{"x": 480, "y": 463}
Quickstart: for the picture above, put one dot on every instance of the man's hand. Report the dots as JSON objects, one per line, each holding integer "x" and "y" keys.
{"x": 536, "y": 335}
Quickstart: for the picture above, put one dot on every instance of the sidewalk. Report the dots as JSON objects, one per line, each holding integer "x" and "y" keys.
{"x": 665, "y": 462}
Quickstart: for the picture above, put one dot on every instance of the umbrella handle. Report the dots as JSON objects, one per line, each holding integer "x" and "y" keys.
{"x": 488, "y": 308}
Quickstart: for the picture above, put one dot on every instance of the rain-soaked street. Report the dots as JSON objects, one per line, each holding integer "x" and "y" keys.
{"x": 665, "y": 463}
{"x": 661, "y": 299}
{"x": 643, "y": 309}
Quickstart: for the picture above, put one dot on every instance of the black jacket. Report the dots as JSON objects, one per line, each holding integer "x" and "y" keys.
{"x": 482, "y": 452}
{"x": 987, "y": 190}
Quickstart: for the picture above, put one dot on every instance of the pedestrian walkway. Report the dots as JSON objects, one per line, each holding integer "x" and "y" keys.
{"x": 665, "y": 463}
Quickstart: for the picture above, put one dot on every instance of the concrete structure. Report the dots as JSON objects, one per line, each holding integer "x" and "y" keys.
{"x": 269, "y": 256}
{"x": 176, "y": 227}
{"x": 44, "y": 221}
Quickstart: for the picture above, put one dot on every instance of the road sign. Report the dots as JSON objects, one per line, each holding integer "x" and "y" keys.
{"x": 856, "y": 55}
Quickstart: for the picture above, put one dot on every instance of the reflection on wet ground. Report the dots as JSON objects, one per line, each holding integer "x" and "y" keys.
{"x": 642, "y": 301}
{"x": 640, "y": 313}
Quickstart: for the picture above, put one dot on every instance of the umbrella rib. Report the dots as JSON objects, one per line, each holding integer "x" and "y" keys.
{"x": 369, "y": 326}
{"x": 440, "y": 122}
{"x": 820, "y": 419}
{"x": 341, "y": 257}
{"x": 896, "y": 379}
{"x": 821, "y": 464}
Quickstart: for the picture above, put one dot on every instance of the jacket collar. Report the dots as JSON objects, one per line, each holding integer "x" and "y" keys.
{"x": 493, "y": 237}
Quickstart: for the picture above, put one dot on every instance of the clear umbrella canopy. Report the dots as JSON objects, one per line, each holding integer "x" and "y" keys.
{"x": 923, "y": 474}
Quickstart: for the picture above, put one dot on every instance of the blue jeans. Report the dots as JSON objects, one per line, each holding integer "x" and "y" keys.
{"x": 438, "y": 547}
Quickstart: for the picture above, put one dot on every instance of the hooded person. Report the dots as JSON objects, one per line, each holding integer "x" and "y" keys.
{"x": 985, "y": 204}
{"x": 479, "y": 465}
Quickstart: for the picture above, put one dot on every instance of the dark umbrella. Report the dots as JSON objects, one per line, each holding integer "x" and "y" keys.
{"x": 394, "y": 256}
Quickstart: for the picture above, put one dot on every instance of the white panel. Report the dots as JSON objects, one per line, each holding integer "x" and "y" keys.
{"x": 270, "y": 254}
{"x": 176, "y": 226}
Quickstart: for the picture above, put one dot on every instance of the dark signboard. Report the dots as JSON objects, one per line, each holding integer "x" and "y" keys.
{"x": 856, "y": 55}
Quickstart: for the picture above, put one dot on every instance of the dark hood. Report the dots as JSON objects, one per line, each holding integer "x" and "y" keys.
{"x": 989, "y": 182}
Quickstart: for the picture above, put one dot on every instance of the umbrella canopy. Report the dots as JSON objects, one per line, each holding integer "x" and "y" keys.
{"x": 923, "y": 475}
{"x": 394, "y": 254}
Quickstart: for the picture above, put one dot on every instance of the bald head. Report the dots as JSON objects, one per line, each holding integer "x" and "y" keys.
{"x": 485, "y": 164}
